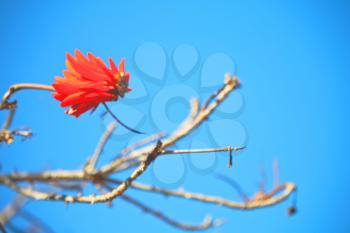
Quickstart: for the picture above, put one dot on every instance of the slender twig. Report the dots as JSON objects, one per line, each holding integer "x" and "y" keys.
{"x": 5, "y": 134}
{"x": 141, "y": 143}
{"x": 206, "y": 224}
{"x": 21, "y": 86}
{"x": 286, "y": 189}
{"x": 212, "y": 97}
{"x": 76, "y": 175}
{"x": 91, "y": 163}
{"x": 195, "y": 105}
{"x": 9, "y": 118}
{"x": 184, "y": 129}
{"x": 193, "y": 151}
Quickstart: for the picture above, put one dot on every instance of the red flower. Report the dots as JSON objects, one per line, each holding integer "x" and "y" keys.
{"x": 88, "y": 81}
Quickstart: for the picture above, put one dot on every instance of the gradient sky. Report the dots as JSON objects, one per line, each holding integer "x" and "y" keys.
{"x": 293, "y": 60}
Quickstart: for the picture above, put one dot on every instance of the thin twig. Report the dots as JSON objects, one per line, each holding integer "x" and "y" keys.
{"x": 141, "y": 143}
{"x": 286, "y": 189}
{"x": 185, "y": 128}
{"x": 5, "y": 134}
{"x": 9, "y": 118}
{"x": 206, "y": 224}
{"x": 91, "y": 163}
{"x": 193, "y": 151}
{"x": 21, "y": 86}
{"x": 75, "y": 175}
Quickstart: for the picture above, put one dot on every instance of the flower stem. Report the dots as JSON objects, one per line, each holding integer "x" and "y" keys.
{"x": 119, "y": 121}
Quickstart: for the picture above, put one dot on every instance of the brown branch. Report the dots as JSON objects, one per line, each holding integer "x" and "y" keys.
{"x": 5, "y": 134}
{"x": 21, "y": 86}
{"x": 38, "y": 195}
{"x": 135, "y": 155}
{"x": 269, "y": 200}
{"x": 9, "y": 119}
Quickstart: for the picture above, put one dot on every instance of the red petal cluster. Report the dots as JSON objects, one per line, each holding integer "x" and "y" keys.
{"x": 88, "y": 81}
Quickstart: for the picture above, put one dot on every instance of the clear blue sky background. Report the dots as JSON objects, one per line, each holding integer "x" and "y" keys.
{"x": 293, "y": 59}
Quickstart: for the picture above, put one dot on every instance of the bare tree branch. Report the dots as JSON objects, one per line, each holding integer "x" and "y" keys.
{"x": 192, "y": 151}
{"x": 76, "y": 175}
{"x": 39, "y": 195}
{"x": 270, "y": 199}
{"x": 7, "y": 135}
{"x": 185, "y": 128}
{"x": 21, "y": 86}
{"x": 139, "y": 155}
{"x": 142, "y": 142}
{"x": 91, "y": 163}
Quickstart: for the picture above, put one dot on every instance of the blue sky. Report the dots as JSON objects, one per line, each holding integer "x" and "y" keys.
{"x": 293, "y": 60}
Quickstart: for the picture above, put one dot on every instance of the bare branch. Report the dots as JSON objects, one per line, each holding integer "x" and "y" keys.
{"x": 138, "y": 155}
{"x": 5, "y": 134}
{"x": 21, "y": 86}
{"x": 9, "y": 119}
{"x": 38, "y": 195}
{"x": 206, "y": 224}
{"x": 142, "y": 142}
{"x": 91, "y": 163}
{"x": 185, "y": 128}
{"x": 193, "y": 151}
{"x": 75, "y": 175}
{"x": 269, "y": 200}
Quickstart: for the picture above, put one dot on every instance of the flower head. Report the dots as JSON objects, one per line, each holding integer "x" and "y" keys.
{"x": 88, "y": 81}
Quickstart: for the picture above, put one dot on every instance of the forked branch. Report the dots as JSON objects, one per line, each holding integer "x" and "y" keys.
{"x": 138, "y": 157}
